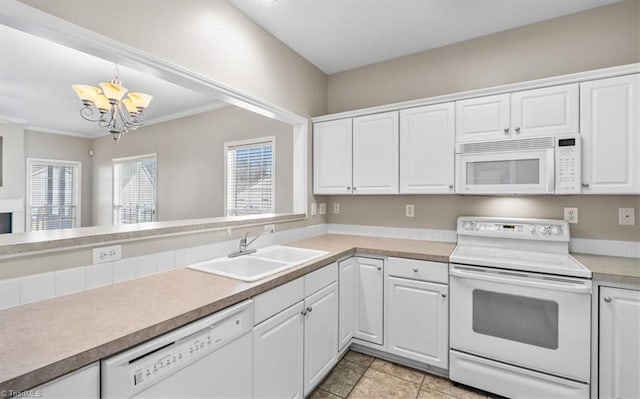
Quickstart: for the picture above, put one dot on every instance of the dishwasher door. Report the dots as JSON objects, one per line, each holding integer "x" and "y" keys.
{"x": 209, "y": 358}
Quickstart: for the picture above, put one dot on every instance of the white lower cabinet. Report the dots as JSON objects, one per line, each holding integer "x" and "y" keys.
{"x": 619, "y": 352}
{"x": 418, "y": 320}
{"x": 278, "y": 355}
{"x": 320, "y": 335}
{"x": 370, "y": 300}
{"x": 347, "y": 279}
{"x": 81, "y": 384}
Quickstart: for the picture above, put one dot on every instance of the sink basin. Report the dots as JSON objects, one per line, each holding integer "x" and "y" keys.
{"x": 245, "y": 268}
{"x": 288, "y": 254}
{"x": 259, "y": 265}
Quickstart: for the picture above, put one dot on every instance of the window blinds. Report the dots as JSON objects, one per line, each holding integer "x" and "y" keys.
{"x": 134, "y": 190}
{"x": 250, "y": 180}
{"x": 53, "y": 195}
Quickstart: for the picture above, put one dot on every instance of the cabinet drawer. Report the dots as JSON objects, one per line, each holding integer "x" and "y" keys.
{"x": 320, "y": 279}
{"x": 419, "y": 270}
{"x": 277, "y": 299}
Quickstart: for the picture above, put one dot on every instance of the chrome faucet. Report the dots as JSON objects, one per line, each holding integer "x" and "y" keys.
{"x": 242, "y": 246}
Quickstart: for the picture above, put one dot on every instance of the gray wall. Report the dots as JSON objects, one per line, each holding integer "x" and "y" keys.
{"x": 190, "y": 165}
{"x": 12, "y": 159}
{"x": 598, "y": 38}
{"x": 593, "y": 39}
{"x": 67, "y": 148}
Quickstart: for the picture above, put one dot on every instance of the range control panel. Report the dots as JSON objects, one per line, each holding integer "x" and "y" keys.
{"x": 548, "y": 230}
{"x": 174, "y": 356}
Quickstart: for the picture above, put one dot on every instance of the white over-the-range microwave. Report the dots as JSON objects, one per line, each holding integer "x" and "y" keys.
{"x": 537, "y": 165}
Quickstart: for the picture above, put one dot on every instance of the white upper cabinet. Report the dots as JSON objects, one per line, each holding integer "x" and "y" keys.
{"x": 375, "y": 154}
{"x": 547, "y": 111}
{"x": 332, "y": 157}
{"x": 483, "y": 118}
{"x": 427, "y": 140}
{"x": 610, "y": 130}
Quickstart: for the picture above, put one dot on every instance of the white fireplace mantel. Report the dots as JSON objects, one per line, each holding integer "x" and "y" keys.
{"x": 15, "y": 205}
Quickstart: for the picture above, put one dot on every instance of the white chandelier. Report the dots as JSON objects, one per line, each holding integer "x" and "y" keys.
{"x": 108, "y": 108}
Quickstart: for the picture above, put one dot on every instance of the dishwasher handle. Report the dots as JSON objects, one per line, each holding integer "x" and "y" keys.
{"x": 523, "y": 279}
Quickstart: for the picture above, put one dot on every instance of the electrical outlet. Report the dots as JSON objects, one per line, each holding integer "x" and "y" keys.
{"x": 627, "y": 216}
{"x": 314, "y": 209}
{"x": 336, "y": 208}
{"x": 269, "y": 228}
{"x": 571, "y": 215}
{"x": 322, "y": 209}
{"x": 408, "y": 210}
{"x": 107, "y": 254}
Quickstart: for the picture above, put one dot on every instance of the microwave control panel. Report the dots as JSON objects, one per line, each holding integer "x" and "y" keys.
{"x": 568, "y": 151}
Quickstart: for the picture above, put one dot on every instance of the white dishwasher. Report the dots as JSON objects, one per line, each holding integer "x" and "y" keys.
{"x": 209, "y": 358}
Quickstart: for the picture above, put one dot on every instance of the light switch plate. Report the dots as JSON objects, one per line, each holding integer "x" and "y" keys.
{"x": 107, "y": 254}
{"x": 314, "y": 209}
{"x": 571, "y": 215}
{"x": 627, "y": 216}
{"x": 336, "y": 208}
{"x": 409, "y": 210}
{"x": 322, "y": 209}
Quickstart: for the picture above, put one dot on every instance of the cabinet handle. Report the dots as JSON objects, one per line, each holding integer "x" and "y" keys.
{"x": 444, "y": 295}
{"x": 518, "y": 130}
{"x": 585, "y": 184}
{"x": 415, "y": 270}
{"x": 304, "y": 313}
{"x": 607, "y": 299}
{"x": 506, "y": 130}
{"x": 309, "y": 308}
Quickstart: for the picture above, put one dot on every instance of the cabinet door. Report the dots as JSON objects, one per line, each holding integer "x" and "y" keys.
{"x": 375, "y": 154}
{"x": 545, "y": 112}
{"x": 427, "y": 140}
{"x": 619, "y": 362}
{"x": 347, "y": 283}
{"x": 610, "y": 110}
{"x": 278, "y": 355}
{"x": 81, "y": 384}
{"x": 320, "y": 335}
{"x": 483, "y": 118}
{"x": 418, "y": 321}
{"x": 369, "y": 300}
{"x": 332, "y": 157}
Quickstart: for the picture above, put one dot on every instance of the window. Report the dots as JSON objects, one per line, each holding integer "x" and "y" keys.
{"x": 250, "y": 177}
{"x": 53, "y": 194}
{"x": 134, "y": 189}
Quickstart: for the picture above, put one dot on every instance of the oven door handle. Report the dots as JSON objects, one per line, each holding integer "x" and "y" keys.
{"x": 523, "y": 280}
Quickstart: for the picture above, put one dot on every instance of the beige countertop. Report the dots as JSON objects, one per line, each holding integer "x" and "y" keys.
{"x": 612, "y": 269}
{"x": 45, "y": 340}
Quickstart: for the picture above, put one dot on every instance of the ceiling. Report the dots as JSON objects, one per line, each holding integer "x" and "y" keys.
{"x": 338, "y": 35}
{"x": 35, "y": 86}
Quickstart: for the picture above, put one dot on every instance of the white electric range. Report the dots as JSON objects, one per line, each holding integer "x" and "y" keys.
{"x": 520, "y": 309}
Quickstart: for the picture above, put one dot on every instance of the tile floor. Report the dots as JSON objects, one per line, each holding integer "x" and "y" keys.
{"x": 362, "y": 376}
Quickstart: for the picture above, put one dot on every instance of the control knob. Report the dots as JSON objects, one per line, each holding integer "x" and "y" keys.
{"x": 556, "y": 229}
{"x": 467, "y": 225}
{"x": 543, "y": 229}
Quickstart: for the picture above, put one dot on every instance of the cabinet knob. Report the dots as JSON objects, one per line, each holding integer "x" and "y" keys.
{"x": 348, "y": 187}
{"x": 355, "y": 188}
{"x": 607, "y": 299}
{"x": 379, "y": 267}
{"x": 506, "y": 130}
{"x": 415, "y": 270}
{"x": 518, "y": 130}
{"x": 309, "y": 308}
{"x": 444, "y": 295}
{"x": 304, "y": 313}
{"x": 450, "y": 186}
{"x": 585, "y": 184}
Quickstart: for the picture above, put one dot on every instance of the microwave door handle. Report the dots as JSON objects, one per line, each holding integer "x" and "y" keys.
{"x": 551, "y": 171}
{"x": 568, "y": 286}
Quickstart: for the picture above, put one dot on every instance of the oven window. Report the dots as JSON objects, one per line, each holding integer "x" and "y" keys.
{"x": 519, "y": 171}
{"x": 516, "y": 318}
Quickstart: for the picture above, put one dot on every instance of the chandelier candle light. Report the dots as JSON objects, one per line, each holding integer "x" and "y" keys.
{"x": 108, "y": 108}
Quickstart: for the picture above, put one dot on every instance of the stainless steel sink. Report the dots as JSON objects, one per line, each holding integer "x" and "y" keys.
{"x": 261, "y": 264}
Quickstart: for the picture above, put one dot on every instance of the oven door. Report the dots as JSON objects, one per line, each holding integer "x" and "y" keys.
{"x": 525, "y": 319}
{"x": 517, "y": 172}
